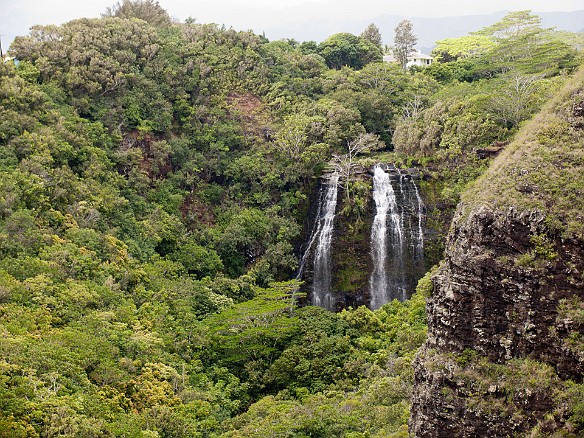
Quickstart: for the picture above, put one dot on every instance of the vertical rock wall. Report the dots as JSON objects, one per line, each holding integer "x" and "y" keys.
{"x": 505, "y": 349}
{"x": 496, "y": 301}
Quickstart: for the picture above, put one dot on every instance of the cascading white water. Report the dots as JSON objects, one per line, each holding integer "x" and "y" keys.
{"x": 419, "y": 245}
{"x": 378, "y": 279}
{"x": 402, "y": 194}
{"x": 397, "y": 240}
{"x": 315, "y": 233}
{"x": 412, "y": 209}
{"x": 386, "y": 213}
{"x": 397, "y": 236}
{"x": 321, "y": 284}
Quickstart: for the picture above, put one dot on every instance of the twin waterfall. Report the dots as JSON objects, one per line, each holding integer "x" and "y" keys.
{"x": 397, "y": 240}
{"x": 386, "y": 215}
{"x": 397, "y": 237}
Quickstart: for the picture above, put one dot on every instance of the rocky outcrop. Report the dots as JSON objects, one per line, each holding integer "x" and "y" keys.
{"x": 500, "y": 287}
{"x": 507, "y": 291}
{"x": 505, "y": 349}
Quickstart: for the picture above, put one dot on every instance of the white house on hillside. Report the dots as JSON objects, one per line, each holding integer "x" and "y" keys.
{"x": 419, "y": 59}
{"x": 416, "y": 58}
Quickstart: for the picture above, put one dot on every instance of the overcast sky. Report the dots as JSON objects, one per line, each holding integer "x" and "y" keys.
{"x": 17, "y": 16}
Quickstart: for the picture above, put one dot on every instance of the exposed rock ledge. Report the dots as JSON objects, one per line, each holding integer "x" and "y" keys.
{"x": 508, "y": 291}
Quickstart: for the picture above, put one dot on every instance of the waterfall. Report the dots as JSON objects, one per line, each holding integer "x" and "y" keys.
{"x": 413, "y": 212}
{"x": 396, "y": 240}
{"x": 315, "y": 233}
{"x": 397, "y": 237}
{"x": 381, "y": 195}
{"x": 321, "y": 284}
{"x": 385, "y": 211}
{"x": 419, "y": 244}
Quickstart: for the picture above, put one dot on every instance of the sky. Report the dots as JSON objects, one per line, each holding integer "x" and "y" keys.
{"x": 17, "y": 16}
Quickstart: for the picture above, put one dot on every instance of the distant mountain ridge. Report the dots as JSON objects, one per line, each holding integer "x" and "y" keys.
{"x": 428, "y": 29}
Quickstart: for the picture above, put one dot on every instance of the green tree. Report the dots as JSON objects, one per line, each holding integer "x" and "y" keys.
{"x": 198, "y": 260}
{"x": 345, "y": 49}
{"x": 308, "y": 361}
{"x": 373, "y": 35}
{"x": 521, "y": 44}
{"x": 249, "y": 336}
{"x": 516, "y": 99}
{"x": 147, "y": 10}
{"x": 298, "y": 144}
{"x": 451, "y": 49}
{"x": 404, "y": 41}
{"x": 512, "y": 25}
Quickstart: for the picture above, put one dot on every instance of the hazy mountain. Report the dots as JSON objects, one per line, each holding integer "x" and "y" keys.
{"x": 427, "y": 29}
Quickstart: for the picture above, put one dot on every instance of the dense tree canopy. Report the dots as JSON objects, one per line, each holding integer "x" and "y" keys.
{"x": 147, "y": 10}
{"x": 451, "y": 49}
{"x": 155, "y": 180}
{"x": 345, "y": 49}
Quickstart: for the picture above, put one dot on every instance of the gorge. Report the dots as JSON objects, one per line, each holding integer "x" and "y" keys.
{"x": 204, "y": 233}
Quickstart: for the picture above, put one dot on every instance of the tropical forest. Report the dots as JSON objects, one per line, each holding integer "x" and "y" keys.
{"x": 205, "y": 233}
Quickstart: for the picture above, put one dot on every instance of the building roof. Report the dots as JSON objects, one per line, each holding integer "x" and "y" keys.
{"x": 419, "y": 55}
{"x": 414, "y": 55}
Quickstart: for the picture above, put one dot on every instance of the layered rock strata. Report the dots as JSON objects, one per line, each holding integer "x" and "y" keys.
{"x": 505, "y": 348}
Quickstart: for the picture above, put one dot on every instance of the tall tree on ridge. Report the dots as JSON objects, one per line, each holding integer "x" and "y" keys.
{"x": 147, "y": 10}
{"x": 404, "y": 41}
{"x": 372, "y": 33}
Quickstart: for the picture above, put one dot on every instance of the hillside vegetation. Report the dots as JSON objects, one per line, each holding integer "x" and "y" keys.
{"x": 155, "y": 179}
{"x": 506, "y": 315}
{"x": 543, "y": 168}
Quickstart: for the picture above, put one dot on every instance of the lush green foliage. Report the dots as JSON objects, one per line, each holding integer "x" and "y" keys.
{"x": 347, "y": 374}
{"x": 526, "y": 183}
{"x": 345, "y": 49}
{"x": 154, "y": 181}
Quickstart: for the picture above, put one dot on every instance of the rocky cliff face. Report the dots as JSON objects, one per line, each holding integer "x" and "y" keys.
{"x": 505, "y": 352}
{"x": 487, "y": 314}
{"x": 500, "y": 288}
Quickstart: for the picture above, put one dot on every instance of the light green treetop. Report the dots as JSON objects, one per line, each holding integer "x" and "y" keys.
{"x": 513, "y": 24}
{"x": 450, "y": 49}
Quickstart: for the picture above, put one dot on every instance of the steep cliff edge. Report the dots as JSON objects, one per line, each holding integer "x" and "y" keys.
{"x": 505, "y": 350}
